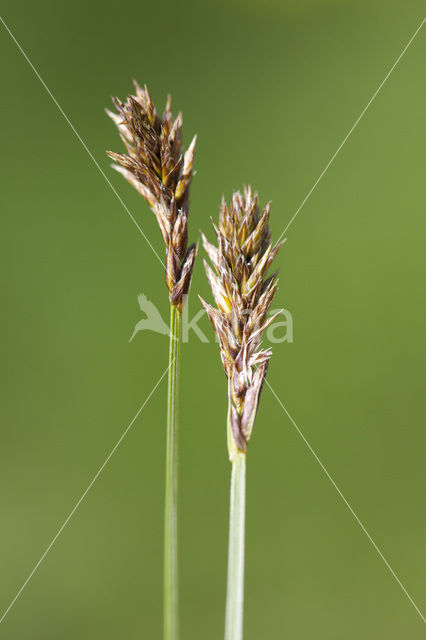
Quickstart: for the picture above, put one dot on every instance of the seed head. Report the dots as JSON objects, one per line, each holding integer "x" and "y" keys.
{"x": 155, "y": 165}
{"x": 243, "y": 295}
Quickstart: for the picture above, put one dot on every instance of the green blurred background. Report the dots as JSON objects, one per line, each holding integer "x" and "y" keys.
{"x": 271, "y": 88}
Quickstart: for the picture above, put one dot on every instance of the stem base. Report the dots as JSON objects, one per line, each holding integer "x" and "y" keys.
{"x": 171, "y": 620}
{"x": 235, "y": 584}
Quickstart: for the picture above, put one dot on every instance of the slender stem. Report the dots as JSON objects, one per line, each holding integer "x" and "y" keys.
{"x": 170, "y": 523}
{"x": 235, "y": 586}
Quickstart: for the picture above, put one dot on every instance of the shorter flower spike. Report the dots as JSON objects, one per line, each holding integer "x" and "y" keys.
{"x": 155, "y": 166}
{"x": 243, "y": 295}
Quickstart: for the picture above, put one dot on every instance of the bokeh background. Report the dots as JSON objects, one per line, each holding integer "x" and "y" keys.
{"x": 271, "y": 88}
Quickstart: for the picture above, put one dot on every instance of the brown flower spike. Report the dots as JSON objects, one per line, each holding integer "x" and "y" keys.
{"x": 155, "y": 166}
{"x": 243, "y": 295}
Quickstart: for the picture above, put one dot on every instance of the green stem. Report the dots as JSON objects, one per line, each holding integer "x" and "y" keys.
{"x": 235, "y": 586}
{"x": 170, "y": 523}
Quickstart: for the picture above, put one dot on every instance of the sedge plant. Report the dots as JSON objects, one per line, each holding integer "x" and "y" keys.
{"x": 154, "y": 163}
{"x": 243, "y": 293}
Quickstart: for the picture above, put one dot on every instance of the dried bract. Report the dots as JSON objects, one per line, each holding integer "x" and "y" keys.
{"x": 243, "y": 295}
{"x": 156, "y": 166}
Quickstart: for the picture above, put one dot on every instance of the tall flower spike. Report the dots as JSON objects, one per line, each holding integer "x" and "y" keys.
{"x": 155, "y": 166}
{"x": 243, "y": 295}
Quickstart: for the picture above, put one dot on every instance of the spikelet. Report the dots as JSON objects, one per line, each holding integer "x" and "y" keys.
{"x": 243, "y": 295}
{"x": 155, "y": 166}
